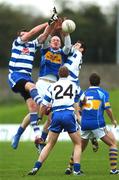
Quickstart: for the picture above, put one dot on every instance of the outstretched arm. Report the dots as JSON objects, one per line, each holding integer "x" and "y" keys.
{"x": 33, "y": 31}
{"x": 67, "y": 44}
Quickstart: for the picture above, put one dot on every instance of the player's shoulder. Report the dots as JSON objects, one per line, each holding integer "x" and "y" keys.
{"x": 17, "y": 41}
{"x": 103, "y": 90}
{"x": 63, "y": 81}
{"x": 103, "y": 93}
{"x": 69, "y": 82}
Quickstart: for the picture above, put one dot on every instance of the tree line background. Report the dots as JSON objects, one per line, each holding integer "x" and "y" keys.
{"x": 95, "y": 28}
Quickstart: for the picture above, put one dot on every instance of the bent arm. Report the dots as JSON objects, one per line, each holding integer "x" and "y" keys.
{"x": 45, "y": 37}
{"x": 111, "y": 116}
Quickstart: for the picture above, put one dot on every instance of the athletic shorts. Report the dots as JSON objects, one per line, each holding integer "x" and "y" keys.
{"x": 17, "y": 83}
{"x": 63, "y": 120}
{"x": 42, "y": 86}
{"x": 14, "y": 77}
{"x": 98, "y": 133}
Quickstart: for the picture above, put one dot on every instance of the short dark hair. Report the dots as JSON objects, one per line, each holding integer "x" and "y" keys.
{"x": 94, "y": 79}
{"x": 21, "y": 30}
{"x": 63, "y": 71}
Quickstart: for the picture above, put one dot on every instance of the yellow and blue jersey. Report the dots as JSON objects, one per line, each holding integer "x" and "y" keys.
{"x": 51, "y": 60}
{"x": 93, "y": 110}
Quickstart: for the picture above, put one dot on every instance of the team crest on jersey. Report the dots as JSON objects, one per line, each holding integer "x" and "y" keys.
{"x": 25, "y": 51}
{"x": 55, "y": 58}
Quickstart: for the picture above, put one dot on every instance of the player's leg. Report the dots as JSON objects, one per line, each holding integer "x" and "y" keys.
{"x": 31, "y": 88}
{"x": 84, "y": 143}
{"x": 69, "y": 169}
{"x": 21, "y": 129}
{"x": 32, "y": 107}
{"x": 32, "y": 101}
{"x": 70, "y": 125}
{"x": 45, "y": 128}
{"x": 95, "y": 145}
{"x": 42, "y": 86}
{"x": 75, "y": 137}
{"x": 45, "y": 152}
{"x": 31, "y": 118}
{"x": 19, "y": 88}
{"x": 110, "y": 140}
{"x": 41, "y": 142}
{"x": 33, "y": 115}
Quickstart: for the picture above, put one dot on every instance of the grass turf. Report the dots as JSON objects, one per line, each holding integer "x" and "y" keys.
{"x": 15, "y": 113}
{"x": 15, "y": 164}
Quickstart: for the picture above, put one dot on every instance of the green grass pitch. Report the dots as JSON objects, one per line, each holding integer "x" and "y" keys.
{"x": 15, "y": 164}
{"x": 11, "y": 114}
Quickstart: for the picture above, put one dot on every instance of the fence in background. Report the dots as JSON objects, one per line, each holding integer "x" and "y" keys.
{"x": 7, "y": 131}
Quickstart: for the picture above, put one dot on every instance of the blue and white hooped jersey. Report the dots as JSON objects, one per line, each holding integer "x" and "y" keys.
{"x": 93, "y": 110}
{"x": 73, "y": 63}
{"x": 62, "y": 95}
{"x": 51, "y": 60}
{"x": 22, "y": 56}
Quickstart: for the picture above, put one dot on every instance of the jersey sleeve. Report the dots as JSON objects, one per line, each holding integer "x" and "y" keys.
{"x": 106, "y": 100}
{"x": 48, "y": 97}
{"x": 18, "y": 41}
{"x": 36, "y": 43}
{"x": 79, "y": 95}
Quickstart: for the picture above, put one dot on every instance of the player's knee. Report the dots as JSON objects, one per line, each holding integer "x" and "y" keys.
{"x": 32, "y": 107}
{"x": 29, "y": 86}
{"x": 114, "y": 143}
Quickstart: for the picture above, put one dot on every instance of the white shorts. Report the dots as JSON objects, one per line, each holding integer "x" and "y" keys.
{"x": 42, "y": 86}
{"x": 98, "y": 133}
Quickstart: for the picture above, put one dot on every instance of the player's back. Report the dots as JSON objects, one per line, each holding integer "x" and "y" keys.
{"x": 63, "y": 94}
{"x": 92, "y": 111}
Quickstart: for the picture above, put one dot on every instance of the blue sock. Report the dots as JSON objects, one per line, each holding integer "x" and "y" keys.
{"x": 20, "y": 131}
{"x": 38, "y": 165}
{"x": 44, "y": 135}
{"x": 33, "y": 121}
{"x": 35, "y": 96}
{"x": 76, "y": 167}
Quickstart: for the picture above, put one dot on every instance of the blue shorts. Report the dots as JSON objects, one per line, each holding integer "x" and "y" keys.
{"x": 14, "y": 77}
{"x": 63, "y": 120}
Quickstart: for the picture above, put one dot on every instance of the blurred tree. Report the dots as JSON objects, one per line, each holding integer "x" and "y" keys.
{"x": 11, "y": 21}
{"x": 96, "y": 29}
